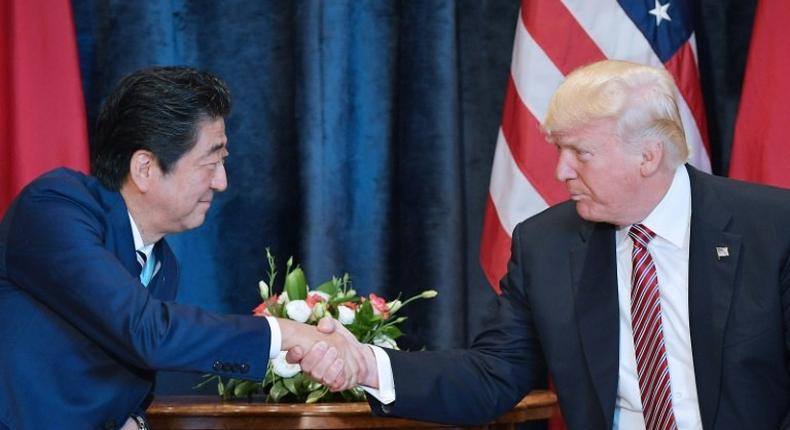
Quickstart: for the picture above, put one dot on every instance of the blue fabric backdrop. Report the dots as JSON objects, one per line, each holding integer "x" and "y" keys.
{"x": 361, "y": 140}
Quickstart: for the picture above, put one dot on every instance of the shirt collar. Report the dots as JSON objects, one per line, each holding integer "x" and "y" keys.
{"x": 674, "y": 207}
{"x": 138, "y": 239}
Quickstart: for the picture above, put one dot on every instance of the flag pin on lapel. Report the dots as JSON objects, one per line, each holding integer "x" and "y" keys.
{"x": 722, "y": 252}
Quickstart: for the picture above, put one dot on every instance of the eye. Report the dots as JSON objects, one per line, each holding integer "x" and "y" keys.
{"x": 582, "y": 154}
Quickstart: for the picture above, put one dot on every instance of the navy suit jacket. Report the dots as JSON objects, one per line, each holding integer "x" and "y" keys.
{"x": 81, "y": 337}
{"x": 559, "y": 312}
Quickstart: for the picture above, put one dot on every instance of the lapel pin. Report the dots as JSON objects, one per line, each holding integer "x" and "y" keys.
{"x": 722, "y": 252}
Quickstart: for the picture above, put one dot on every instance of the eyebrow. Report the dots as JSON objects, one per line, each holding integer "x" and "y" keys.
{"x": 216, "y": 148}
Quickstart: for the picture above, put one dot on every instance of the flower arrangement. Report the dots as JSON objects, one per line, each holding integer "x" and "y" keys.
{"x": 371, "y": 319}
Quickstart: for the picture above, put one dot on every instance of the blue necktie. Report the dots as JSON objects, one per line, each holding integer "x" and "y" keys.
{"x": 147, "y": 267}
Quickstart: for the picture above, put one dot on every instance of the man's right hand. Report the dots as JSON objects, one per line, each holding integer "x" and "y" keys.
{"x": 319, "y": 361}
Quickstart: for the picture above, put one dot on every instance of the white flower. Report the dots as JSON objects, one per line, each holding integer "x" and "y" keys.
{"x": 345, "y": 315}
{"x": 394, "y": 306}
{"x": 298, "y": 310}
{"x": 264, "y": 290}
{"x": 283, "y": 368}
{"x": 283, "y": 298}
{"x": 385, "y": 341}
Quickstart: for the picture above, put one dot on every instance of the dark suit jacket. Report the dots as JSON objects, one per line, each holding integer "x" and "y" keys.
{"x": 80, "y": 337}
{"x": 559, "y": 311}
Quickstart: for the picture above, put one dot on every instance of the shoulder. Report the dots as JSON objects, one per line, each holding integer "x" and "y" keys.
{"x": 739, "y": 196}
{"x": 554, "y": 222}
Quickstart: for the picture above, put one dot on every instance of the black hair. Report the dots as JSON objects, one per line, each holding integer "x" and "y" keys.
{"x": 157, "y": 109}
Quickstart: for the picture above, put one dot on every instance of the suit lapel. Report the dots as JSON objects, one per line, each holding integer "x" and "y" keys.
{"x": 711, "y": 283}
{"x": 594, "y": 271}
{"x": 120, "y": 230}
{"x": 163, "y": 285}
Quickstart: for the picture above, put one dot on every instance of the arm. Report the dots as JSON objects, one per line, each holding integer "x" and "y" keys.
{"x": 469, "y": 386}
{"x": 67, "y": 266}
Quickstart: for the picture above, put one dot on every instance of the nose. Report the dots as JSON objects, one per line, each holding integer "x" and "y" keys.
{"x": 220, "y": 180}
{"x": 565, "y": 170}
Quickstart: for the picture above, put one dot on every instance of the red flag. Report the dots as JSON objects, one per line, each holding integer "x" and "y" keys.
{"x": 553, "y": 38}
{"x": 42, "y": 111}
{"x": 761, "y": 152}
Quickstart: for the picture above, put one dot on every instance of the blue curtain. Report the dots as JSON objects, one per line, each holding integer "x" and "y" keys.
{"x": 361, "y": 141}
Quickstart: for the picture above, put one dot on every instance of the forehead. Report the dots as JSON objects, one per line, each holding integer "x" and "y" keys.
{"x": 596, "y": 133}
{"x": 211, "y": 138}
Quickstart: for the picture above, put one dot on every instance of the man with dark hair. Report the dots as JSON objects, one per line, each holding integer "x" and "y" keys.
{"x": 87, "y": 280}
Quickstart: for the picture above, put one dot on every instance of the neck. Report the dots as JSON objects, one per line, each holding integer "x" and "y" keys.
{"x": 136, "y": 207}
{"x": 651, "y": 192}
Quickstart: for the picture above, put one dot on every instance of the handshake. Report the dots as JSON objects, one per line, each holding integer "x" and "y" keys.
{"x": 329, "y": 354}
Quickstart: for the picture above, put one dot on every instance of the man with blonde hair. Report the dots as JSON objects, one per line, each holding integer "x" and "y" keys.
{"x": 656, "y": 297}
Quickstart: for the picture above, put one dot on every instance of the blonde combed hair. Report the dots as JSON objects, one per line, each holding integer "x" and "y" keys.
{"x": 640, "y": 99}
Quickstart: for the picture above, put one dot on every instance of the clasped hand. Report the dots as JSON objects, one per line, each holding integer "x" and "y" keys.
{"x": 329, "y": 354}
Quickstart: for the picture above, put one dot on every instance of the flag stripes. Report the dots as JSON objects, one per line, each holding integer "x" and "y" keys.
{"x": 553, "y": 38}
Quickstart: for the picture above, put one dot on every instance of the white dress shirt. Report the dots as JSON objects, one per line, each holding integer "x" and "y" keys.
{"x": 671, "y": 221}
{"x": 139, "y": 245}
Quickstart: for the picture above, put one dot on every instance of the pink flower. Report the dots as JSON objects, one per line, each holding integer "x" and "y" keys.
{"x": 313, "y": 298}
{"x": 379, "y": 305}
{"x": 260, "y": 310}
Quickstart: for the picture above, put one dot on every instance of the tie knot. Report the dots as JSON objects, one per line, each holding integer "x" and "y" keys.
{"x": 641, "y": 235}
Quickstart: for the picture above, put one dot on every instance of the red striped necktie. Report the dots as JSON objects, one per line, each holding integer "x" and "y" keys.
{"x": 651, "y": 355}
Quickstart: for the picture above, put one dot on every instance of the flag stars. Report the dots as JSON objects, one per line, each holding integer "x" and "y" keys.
{"x": 660, "y": 12}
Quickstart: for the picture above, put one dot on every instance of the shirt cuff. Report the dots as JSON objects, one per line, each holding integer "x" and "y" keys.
{"x": 276, "y": 336}
{"x": 386, "y": 391}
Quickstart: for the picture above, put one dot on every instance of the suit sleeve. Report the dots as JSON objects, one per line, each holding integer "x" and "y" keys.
{"x": 785, "y": 285}
{"x": 55, "y": 253}
{"x": 477, "y": 385}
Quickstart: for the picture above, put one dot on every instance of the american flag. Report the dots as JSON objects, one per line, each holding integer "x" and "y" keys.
{"x": 553, "y": 38}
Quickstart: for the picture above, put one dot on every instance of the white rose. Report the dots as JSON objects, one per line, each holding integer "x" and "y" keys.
{"x": 298, "y": 310}
{"x": 283, "y": 368}
{"x": 345, "y": 315}
{"x": 385, "y": 341}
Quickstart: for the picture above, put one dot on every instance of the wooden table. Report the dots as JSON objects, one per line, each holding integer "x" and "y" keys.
{"x": 208, "y": 412}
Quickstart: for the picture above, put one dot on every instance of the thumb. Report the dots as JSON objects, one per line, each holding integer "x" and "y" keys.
{"x": 294, "y": 355}
{"x": 326, "y": 325}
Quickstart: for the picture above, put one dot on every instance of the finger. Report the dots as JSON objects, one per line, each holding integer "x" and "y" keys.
{"x": 294, "y": 355}
{"x": 335, "y": 370}
{"x": 322, "y": 366}
{"x": 326, "y": 325}
{"x": 314, "y": 356}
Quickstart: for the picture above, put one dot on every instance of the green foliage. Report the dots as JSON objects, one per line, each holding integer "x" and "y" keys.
{"x": 376, "y": 324}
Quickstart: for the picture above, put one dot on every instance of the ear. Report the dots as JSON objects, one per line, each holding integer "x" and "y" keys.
{"x": 652, "y": 157}
{"x": 143, "y": 169}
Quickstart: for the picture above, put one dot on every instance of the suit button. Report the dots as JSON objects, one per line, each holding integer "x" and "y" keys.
{"x": 245, "y": 368}
{"x": 217, "y": 365}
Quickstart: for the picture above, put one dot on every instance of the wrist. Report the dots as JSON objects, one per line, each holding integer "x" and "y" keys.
{"x": 372, "y": 376}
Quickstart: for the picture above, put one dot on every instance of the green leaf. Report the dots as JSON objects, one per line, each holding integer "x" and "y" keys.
{"x": 296, "y": 285}
{"x": 220, "y": 387}
{"x": 290, "y": 385}
{"x": 245, "y": 388}
{"x": 392, "y": 331}
{"x": 328, "y": 287}
{"x": 277, "y": 392}
{"x": 316, "y": 395}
